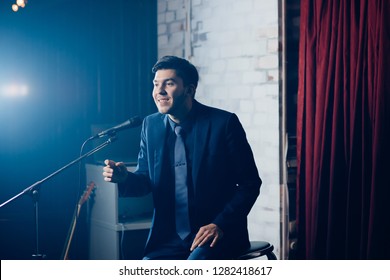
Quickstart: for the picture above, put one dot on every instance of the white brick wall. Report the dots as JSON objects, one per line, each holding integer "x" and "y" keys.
{"x": 235, "y": 45}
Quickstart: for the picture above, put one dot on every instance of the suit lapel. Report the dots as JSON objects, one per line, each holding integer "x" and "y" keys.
{"x": 158, "y": 134}
{"x": 202, "y": 130}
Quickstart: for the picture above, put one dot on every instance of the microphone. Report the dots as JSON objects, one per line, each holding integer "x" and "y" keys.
{"x": 130, "y": 123}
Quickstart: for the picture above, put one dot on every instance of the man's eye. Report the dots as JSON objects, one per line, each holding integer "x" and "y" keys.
{"x": 170, "y": 84}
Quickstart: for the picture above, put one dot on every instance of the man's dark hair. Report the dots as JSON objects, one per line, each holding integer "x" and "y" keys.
{"x": 184, "y": 69}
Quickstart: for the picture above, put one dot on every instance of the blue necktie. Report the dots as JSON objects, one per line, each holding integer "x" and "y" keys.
{"x": 183, "y": 227}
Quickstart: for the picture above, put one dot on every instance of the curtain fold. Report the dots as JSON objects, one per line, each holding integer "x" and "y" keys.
{"x": 343, "y": 130}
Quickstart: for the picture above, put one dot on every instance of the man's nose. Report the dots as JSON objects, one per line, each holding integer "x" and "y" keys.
{"x": 161, "y": 90}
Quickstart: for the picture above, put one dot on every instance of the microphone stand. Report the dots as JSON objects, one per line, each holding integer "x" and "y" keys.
{"x": 33, "y": 190}
{"x": 35, "y": 196}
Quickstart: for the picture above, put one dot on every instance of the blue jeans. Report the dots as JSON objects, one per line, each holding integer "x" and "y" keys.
{"x": 178, "y": 249}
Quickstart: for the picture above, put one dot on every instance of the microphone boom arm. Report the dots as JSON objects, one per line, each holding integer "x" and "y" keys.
{"x": 36, "y": 184}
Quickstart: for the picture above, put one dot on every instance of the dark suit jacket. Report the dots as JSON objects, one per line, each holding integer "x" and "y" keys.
{"x": 225, "y": 178}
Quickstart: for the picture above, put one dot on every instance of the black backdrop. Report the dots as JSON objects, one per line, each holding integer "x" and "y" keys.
{"x": 83, "y": 63}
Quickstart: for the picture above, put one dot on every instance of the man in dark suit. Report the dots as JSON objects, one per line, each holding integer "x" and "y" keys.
{"x": 221, "y": 181}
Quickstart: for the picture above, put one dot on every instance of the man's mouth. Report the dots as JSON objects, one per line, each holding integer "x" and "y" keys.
{"x": 163, "y": 100}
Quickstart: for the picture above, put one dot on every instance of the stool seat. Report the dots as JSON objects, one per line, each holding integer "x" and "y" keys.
{"x": 258, "y": 249}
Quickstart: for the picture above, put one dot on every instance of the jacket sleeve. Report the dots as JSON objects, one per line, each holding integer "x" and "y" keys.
{"x": 138, "y": 182}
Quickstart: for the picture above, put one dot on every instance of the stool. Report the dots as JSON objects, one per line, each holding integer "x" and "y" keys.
{"x": 258, "y": 249}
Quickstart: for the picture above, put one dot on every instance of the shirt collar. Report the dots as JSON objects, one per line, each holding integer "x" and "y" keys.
{"x": 189, "y": 120}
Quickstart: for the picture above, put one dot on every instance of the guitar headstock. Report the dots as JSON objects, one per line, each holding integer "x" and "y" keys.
{"x": 87, "y": 193}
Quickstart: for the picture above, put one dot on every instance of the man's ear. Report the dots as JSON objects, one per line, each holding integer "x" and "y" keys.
{"x": 190, "y": 89}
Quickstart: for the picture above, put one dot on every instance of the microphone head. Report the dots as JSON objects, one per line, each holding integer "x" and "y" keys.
{"x": 135, "y": 121}
{"x": 130, "y": 123}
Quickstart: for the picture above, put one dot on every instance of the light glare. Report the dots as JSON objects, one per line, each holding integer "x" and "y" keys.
{"x": 14, "y": 90}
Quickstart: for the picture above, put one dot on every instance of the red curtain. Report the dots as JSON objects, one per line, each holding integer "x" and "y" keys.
{"x": 343, "y": 130}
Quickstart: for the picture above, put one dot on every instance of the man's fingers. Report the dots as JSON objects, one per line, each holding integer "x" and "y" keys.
{"x": 195, "y": 242}
{"x": 107, "y": 179}
{"x": 215, "y": 240}
{"x": 115, "y": 172}
{"x": 108, "y": 170}
{"x": 205, "y": 234}
{"x": 198, "y": 239}
{"x": 109, "y": 162}
{"x": 205, "y": 240}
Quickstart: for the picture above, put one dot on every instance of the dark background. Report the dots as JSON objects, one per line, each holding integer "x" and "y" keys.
{"x": 84, "y": 63}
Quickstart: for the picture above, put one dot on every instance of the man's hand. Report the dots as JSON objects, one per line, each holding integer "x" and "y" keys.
{"x": 205, "y": 234}
{"x": 115, "y": 172}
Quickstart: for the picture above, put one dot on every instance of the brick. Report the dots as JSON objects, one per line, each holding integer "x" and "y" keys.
{"x": 231, "y": 51}
{"x": 254, "y": 77}
{"x": 273, "y": 45}
{"x": 160, "y": 18}
{"x": 176, "y": 39}
{"x": 176, "y": 26}
{"x": 238, "y": 64}
{"x": 273, "y": 75}
{"x": 271, "y": 31}
{"x": 161, "y": 6}
{"x": 271, "y": 90}
{"x": 246, "y": 106}
{"x": 254, "y": 48}
{"x": 162, "y": 40}
{"x": 211, "y": 79}
{"x": 243, "y": 7}
{"x": 196, "y": 3}
{"x": 218, "y": 66}
{"x": 222, "y": 37}
{"x": 175, "y": 5}
{"x": 169, "y": 17}
{"x": 239, "y": 91}
{"x": 162, "y": 29}
{"x": 266, "y": 5}
{"x": 268, "y": 62}
{"x": 181, "y": 14}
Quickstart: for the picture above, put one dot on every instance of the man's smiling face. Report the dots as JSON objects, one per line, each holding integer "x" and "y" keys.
{"x": 169, "y": 93}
